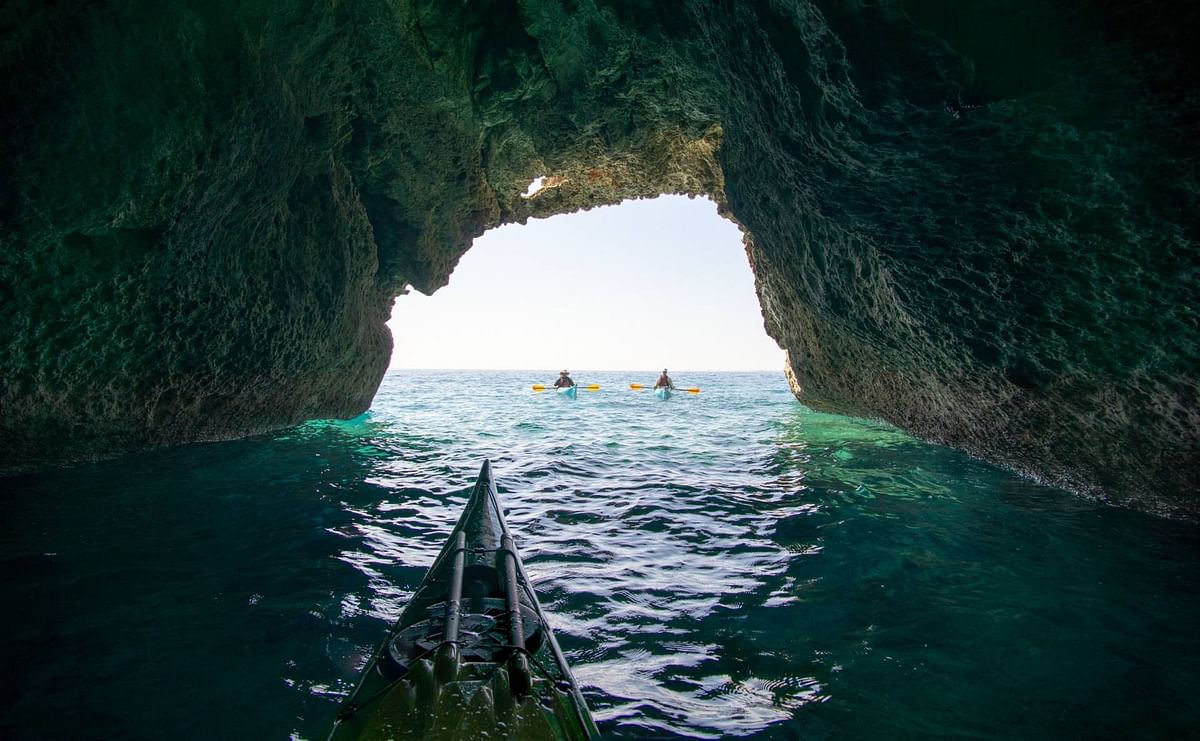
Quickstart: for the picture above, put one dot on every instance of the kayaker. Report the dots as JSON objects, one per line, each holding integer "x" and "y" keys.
{"x": 564, "y": 380}
{"x": 664, "y": 381}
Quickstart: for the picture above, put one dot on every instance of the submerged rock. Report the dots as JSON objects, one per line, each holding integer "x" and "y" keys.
{"x": 977, "y": 221}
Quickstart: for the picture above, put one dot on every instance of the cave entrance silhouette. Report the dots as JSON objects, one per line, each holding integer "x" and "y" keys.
{"x": 637, "y": 286}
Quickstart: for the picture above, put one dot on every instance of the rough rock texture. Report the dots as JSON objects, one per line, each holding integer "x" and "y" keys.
{"x": 977, "y": 220}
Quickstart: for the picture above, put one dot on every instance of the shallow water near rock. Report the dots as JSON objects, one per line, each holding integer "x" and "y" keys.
{"x": 724, "y": 564}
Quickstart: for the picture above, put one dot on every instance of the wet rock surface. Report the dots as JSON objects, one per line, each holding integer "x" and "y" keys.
{"x": 974, "y": 220}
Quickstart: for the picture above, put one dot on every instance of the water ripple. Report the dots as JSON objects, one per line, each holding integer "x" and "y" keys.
{"x": 728, "y": 564}
{"x": 684, "y": 548}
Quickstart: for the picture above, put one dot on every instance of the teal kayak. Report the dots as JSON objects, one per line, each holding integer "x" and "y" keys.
{"x": 569, "y": 391}
{"x": 472, "y": 655}
{"x": 662, "y": 392}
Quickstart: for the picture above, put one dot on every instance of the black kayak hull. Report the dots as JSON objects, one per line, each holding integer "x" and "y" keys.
{"x": 472, "y": 655}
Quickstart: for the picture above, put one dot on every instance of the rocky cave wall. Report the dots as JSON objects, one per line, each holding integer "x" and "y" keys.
{"x": 976, "y": 220}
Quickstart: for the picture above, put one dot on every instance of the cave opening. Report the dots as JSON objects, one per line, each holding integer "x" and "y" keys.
{"x": 638, "y": 286}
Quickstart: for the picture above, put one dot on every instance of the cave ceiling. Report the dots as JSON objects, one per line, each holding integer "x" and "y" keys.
{"x": 974, "y": 220}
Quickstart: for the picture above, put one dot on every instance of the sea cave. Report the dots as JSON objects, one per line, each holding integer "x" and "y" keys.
{"x": 975, "y": 221}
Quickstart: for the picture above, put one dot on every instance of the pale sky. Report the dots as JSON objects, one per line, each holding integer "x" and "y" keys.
{"x": 644, "y": 285}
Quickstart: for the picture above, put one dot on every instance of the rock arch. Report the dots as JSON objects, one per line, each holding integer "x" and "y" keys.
{"x": 976, "y": 222}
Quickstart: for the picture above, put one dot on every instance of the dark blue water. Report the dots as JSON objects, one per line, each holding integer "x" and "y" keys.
{"x": 724, "y": 564}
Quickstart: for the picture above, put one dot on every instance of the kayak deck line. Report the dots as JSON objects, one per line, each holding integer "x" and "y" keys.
{"x": 472, "y": 653}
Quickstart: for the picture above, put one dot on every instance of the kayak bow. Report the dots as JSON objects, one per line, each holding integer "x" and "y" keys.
{"x": 472, "y": 655}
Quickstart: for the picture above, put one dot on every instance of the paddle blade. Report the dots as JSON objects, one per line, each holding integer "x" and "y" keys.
{"x": 538, "y": 387}
{"x": 592, "y": 387}
{"x": 691, "y": 390}
{"x": 636, "y": 386}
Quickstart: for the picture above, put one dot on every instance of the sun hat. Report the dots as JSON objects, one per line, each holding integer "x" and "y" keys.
{"x": 564, "y": 373}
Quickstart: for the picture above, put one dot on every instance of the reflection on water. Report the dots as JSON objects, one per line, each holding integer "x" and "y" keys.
{"x": 725, "y": 564}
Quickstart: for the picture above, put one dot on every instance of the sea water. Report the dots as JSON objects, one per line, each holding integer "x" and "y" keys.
{"x": 718, "y": 564}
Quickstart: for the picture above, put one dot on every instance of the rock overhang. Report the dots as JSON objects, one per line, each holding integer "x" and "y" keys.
{"x": 977, "y": 223}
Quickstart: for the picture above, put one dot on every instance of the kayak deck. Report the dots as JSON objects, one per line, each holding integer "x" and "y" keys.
{"x": 472, "y": 655}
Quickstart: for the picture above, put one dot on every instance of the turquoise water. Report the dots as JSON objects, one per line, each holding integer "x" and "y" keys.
{"x": 727, "y": 564}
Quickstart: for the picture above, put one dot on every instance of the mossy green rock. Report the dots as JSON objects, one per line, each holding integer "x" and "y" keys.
{"x": 976, "y": 220}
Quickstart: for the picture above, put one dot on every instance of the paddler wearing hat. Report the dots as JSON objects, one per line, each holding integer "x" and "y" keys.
{"x": 564, "y": 380}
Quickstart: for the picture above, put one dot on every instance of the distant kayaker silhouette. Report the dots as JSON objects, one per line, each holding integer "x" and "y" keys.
{"x": 564, "y": 380}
